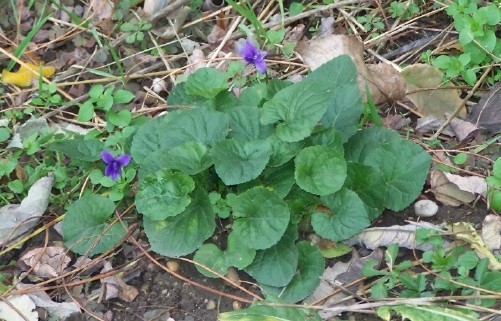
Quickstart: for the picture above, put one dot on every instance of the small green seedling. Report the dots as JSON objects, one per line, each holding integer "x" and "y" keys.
{"x": 135, "y": 30}
{"x": 104, "y": 99}
{"x": 494, "y": 186}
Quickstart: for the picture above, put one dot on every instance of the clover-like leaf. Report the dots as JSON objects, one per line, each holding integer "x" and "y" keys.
{"x": 163, "y": 194}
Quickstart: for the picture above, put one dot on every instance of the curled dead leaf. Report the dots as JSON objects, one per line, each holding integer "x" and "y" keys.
{"x": 447, "y": 192}
{"x": 46, "y": 262}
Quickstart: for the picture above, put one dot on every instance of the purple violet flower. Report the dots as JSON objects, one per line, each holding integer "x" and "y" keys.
{"x": 114, "y": 164}
{"x": 252, "y": 55}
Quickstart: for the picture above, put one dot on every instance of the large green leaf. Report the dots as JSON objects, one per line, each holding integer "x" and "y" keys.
{"x": 345, "y": 106}
{"x": 86, "y": 230}
{"x": 331, "y": 89}
{"x": 261, "y": 217}
{"x": 88, "y": 150}
{"x": 401, "y": 165}
{"x": 282, "y": 151}
{"x": 310, "y": 267}
{"x": 184, "y": 233}
{"x": 279, "y": 179}
{"x": 191, "y": 158}
{"x": 206, "y": 82}
{"x": 257, "y": 312}
{"x": 245, "y": 125}
{"x": 179, "y": 127}
{"x": 276, "y": 265}
{"x": 237, "y": 254}
{"x": 320, "y": 170}
{"x": 163, "y": 194}
{"x": 237, "y": 162}
{"x": 348, "y": 216}
{"x": 367, "y": 182}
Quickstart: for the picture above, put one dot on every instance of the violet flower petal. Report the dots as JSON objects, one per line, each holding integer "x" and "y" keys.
{"x": 123, "y": 160}
{"x": 107, "y": 157}
{"x": 261, "y": 66}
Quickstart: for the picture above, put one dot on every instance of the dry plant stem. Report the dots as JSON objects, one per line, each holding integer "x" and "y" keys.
{"x": 38, "y": 286}
{"x": 470, "y": 94}
{"x": 427, "y": 301}
{"x": 179, "y": 276}
{"x": 232, "y": 28}
{"x": 353, "y": 23}
{"x": 31, "y": 235}
{"x": 406, "y": 25}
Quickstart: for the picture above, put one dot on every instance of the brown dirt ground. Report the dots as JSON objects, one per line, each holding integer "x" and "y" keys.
{"x": 183, "y": 301}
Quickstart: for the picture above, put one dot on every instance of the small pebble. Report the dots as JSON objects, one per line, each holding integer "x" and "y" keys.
{"x": 425, "y": 208}
{"x": 211, "y": 305}
{"x": 237, "y": 305}
{"x": 232, "y": 275}
{"x": 173, "y": 265}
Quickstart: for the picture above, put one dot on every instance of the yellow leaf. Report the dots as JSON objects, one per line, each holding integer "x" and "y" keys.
{"x": 466, "y": 232}
{"x": 25, "y": 75}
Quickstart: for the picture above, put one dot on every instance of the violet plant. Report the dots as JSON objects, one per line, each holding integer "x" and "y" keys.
{"x": 276, "y": 159}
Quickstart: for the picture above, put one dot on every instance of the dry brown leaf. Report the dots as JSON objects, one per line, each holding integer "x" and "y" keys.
{"x": 341, "y": 274}
{"x": 447, "y": 192}
{"x": 487, "y": 113}
{"x": 463, "y": 129}
{"x": 430, "y": 123}
{"x": 152, "y": 6}
{"x": 46, "y": 262}
{"x": 116, "y": 286}
{"x": 425, "y": 88}
{"x": 384, "y": 82}
{"x": 102, "y": 9}
{"x": 403, "y": 235}
{"x": 18, "y": 219}
{"x": 491, "y": 232}
{"x": 60, "y": 310}
{"x": 472, "y": 184}
{"x": 395, "y": 121}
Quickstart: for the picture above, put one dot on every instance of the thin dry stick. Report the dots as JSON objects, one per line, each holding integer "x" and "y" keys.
{"x": 470, "y": 94}
{"x": 225, "y": 39}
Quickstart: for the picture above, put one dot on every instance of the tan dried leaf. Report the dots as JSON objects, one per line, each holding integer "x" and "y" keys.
{"x": 46, "y": 262}
{"x": 447, "y": 192}
{"x": 427, "y": 91}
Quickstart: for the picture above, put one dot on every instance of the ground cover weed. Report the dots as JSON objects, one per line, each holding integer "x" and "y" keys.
{"x": 477, "y": 36}
{"x": 278, "y": 155}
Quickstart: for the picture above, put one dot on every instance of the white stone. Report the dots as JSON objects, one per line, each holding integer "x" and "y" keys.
{"x": 425, "y": 208}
